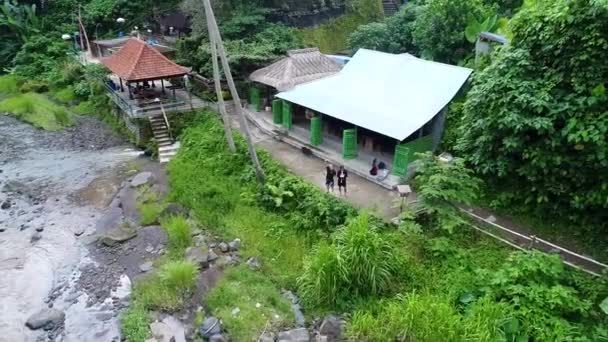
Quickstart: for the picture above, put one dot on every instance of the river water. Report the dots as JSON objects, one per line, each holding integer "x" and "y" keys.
{"x": 54, "y": 187}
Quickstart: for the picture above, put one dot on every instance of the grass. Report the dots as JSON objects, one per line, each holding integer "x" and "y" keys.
{"x": 149, "y": 205}
{"x": 179, "y": 232}
{"x": 65, "y": 95}
{"x": 134, "y": 323}
{"x": 179, "y": 276}
{"x": 37, "y": 110}
{"x": 259, "y": 302}
{"x": 9, "y": 85}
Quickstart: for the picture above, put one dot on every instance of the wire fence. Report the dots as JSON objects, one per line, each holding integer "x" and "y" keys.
{"x": 529, "y": 242}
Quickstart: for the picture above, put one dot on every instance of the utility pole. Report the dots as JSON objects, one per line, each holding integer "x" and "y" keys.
{"x": 216, "y": 40}
{"x": 218, "y": 86}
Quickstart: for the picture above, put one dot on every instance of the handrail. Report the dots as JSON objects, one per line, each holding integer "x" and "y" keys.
{"x": 162, "y": 109}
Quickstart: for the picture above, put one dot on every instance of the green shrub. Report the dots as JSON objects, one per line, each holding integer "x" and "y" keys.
{"x": 259, "y": 302}
{"x": 9, "y": 85}
{"x": 38, "y": 110}
{"x": 536, "y": 283}
{"x": 34, "y": 86}
{"x": 359, "y": 263}
{"x": 179, "y": 277}
{"x": 65, "y": 95}
{"x": 149, "y": 213}
{"x": 179, "y": 231}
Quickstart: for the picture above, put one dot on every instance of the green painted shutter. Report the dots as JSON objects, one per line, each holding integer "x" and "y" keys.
{"x": 277, "y": 112}
{"x": 349, "y": 143}
{"x": 402, "y": 156}
{"x": 254, "y": 98}
{"x": 316, "y": 134}
{"x": 287, "y": 115}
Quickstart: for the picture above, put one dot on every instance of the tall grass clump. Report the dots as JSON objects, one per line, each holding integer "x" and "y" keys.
{"x": 38, "y": 110}
{"x": 179, "y": 232}
{"x": 179, "y": 277}
{"x": 426, "y": 318}
{"x": 359, "y": 263}
{"x": 9, "y": 85}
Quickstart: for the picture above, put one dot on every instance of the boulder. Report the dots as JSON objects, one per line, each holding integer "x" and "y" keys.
{"x": 162, "y": 332}
{"x": 5, "y": 205}
{"x": 332, "y": 327}
{"x": 217, "y": 338}
{"x": 223, "y": 247}
{"x": 295, "y": 335}
{"x": 141, "y": 179}
{"x": 267, "y": 337}
{"x": 234, "y": 245}
{"x": 118, "y": 235}
{"x": 197, "y": 256}
{"x": 211, "y": 326}
{"x": 146, "y": 266}
{"x": 35, "y": 237}
{"x": 45, "y": 318}
{"x": 177, "y": 328}
{"x": 254, "y": 263}
{"x": 174, "y": 209}
{"x": 211, "y": 256}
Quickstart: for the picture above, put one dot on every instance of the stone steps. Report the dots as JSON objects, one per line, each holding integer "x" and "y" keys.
{"x": 167, "y": 148}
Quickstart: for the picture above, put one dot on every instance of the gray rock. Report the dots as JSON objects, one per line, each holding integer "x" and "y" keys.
{"x": 332, "y": 327}
{"x": 118, "y": 235}
{"x": 234, "y": 245}
{"x": 35, "y": 237}
{"x": 296, "y": 308}
{"x": 146, "y": 266}
{"x": 5, "y": 205}
{"x": 267, "y": 337}
{"x": 223, "y": 247}
{"x": 174, "y": 209}
{"x": 199, "y": 240}
{"x": 46, "y": 318}
{"x": 162, "y": 332}
{"x": 197, "y": 256}
{"x": 141, "y": 179}
{"x": 211, "y": 256}
{"x": 295, "y": 335}
{"x": 254, "y": 263}
{"x": 2, "y": 228}
{"x": 178, "y": 329}
{"x": 78, "y": 231}
{"x": 217, "y": 338}
{"x": 211, "y": 326}
{"x": 39, "y": 229}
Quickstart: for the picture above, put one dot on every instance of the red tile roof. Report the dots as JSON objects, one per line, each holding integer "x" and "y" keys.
{"x": 138, "y": 61}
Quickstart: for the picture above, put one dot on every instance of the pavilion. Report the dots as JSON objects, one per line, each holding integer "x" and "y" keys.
{"x": 300, "y": 66}
{"x": 140, "y": 64}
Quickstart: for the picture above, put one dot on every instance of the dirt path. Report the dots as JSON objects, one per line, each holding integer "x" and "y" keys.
{"x": 54, "y": 189}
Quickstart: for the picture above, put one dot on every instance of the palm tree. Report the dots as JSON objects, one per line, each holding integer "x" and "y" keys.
{"x": 216, "y": 39}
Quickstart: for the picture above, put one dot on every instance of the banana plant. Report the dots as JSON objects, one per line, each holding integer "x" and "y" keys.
{"x": 475, "y": 27}
{"x": 19, "y": 20}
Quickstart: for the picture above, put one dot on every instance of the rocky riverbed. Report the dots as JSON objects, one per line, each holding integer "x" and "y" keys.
{"x": 58, "y": 191}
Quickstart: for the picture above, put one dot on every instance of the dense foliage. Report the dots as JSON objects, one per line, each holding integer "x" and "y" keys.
{"x": 535, "y": 122}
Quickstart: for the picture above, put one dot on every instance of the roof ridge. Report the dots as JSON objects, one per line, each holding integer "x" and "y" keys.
{"x": 142, "y": 45}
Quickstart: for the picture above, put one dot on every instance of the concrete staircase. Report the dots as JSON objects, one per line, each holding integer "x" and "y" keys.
{"x": 167, "y": 147}
{"x": 390, "y": 7}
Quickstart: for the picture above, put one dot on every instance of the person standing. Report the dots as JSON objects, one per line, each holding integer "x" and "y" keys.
{"x": 342, "y": 175}
{"x": 330, "y": 173}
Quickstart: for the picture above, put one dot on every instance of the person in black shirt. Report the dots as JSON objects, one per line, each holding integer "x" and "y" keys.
{"x": 329, "y": 177}
{"x": 342, "y": 175}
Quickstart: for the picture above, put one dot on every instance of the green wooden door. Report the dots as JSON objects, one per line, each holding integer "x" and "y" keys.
{"x": 254, "y": 98}
{"x": 316, "y": 131}
{"x": 277, "y": 112}
{"x": 349, "y": 143}
{"x": 287, "y": 115}
{"x": 401, "y": 161}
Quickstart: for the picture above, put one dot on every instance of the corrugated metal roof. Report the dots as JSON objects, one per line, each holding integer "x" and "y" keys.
{"x": 298, "y": 67}
{"x": 394, "y": 95}
{"x": 137, "y": 61}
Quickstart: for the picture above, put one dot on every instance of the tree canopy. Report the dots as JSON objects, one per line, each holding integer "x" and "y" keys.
{"x": 536, "y": 119}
